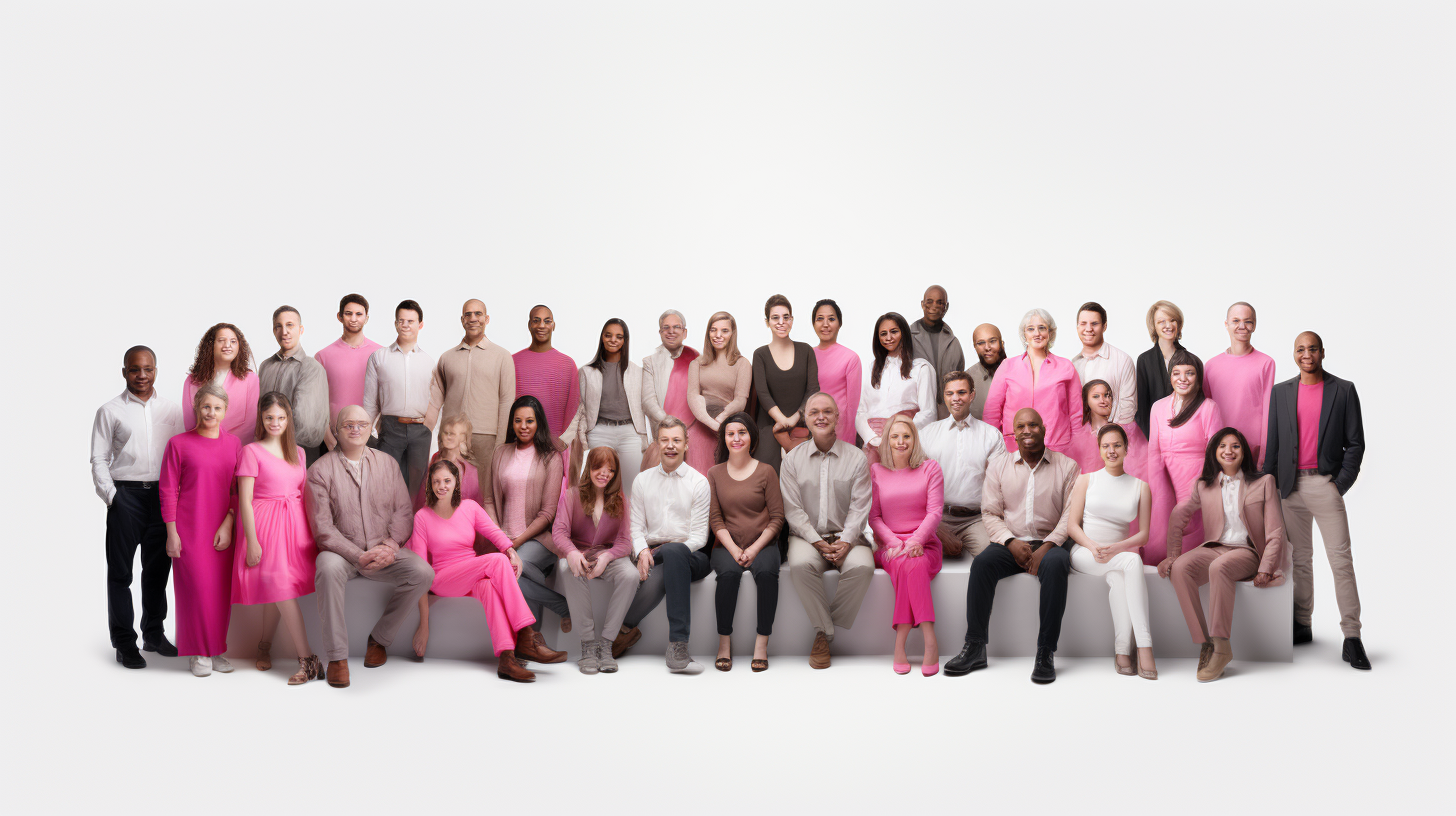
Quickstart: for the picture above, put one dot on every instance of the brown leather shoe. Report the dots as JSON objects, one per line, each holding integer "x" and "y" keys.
{"x": 374, "y": 656}
{"x": 511, "y": 669}
{"x": 624, "y": 641}
{"x": 264, "y": 658}
{"x": 819, "y": 654}
{"x": 338, "y": 673}
{"x": 531, "y": 646}
{"x": 1222, "y": 654}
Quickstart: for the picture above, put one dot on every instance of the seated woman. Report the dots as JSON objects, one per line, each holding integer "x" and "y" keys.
{"x": 1104, "y": 505}
{"x": 718, "y": 386}
{"x": 275, "y": 565}
{"x": 444, "y": 534}
{"x": 900, "y": 384}
{"x": 785, "y": 373}
{"x": 1180, "y": 428}
{"x": 453, "y": 441}
{"x": 610, "y": 412}
{"x": 905, "y": 510}
{"x": 1036, "y": 379}
{"x": 745, "y": 514}
{"x": 1243, "y": 531}
{"x": 592, "y": 531}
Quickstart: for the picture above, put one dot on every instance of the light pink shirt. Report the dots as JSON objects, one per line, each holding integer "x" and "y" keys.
{"x": 345, "y": 367}
{"x": 1241, "y": 387}
{"x": 840, "y": 375}
{"x": 515, "y": 478}
{"x": 241, "y": 416}
{"x": 1057, "y": 397}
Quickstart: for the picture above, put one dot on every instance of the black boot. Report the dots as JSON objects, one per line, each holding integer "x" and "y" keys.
{"x": 972, "y": 657}
{"x": 129, "y": 657}
{"x": 1354, "y": 654}
{"x": 160, "y": 645}
{"x": 1303, "y": 633}
{"x": 1044, "y": 671}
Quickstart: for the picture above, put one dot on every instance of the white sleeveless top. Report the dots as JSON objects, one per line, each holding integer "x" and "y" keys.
{"x": 1111, "y": 506}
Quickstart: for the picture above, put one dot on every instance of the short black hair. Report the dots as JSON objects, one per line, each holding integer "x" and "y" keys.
{"x": 134, "y": 350}
{"x": 286, "y": 308}
{"x": 408, "y": 305}
{"x": 746, "y": 421}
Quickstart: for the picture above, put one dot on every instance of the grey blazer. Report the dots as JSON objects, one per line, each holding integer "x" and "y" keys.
{"x": 1341, "y": 434}
{"x": 591, "y": 400}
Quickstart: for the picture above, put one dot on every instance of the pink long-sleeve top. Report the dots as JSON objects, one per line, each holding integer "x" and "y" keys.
{"x": 1241, "y": 386}
{"x": 906, "y": 505}
{"x": 242, "y": 408}
{"x": 448, "y": 541}
{"x": 841, "y": 375}
{"x": 574, "y": 529}
{"x": 1057, "y": 397}
{"x": 550, "y": 377}
{"x": 1179, "y": 451}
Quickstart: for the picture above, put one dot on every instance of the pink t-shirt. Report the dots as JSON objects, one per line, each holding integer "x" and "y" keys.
{"x": 1311, "y": 399}
{"x": 515, "y": 477}
{"x": 345, "y": 366}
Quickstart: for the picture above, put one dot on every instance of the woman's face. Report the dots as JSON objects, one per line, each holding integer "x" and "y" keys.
{"x": 1185, "y": 379}
{"x": 720, "y": 334}
{"x": 224, "y": 347}
{"x": 442, "y": 484}
{"x": 524, "y": 423}
{"x": 901, "y": 441}
{"x": 1037, "y": 333}
{"x": 613, "y": 338}
{"x": 735, "y": 436}
{"x": 210, "y": 412}
{"x": 275, "y": 421}
{"x": 1229, "y": 453}
{"x": 1100, "y": 399}
{"x": 1167, "y": 325}
{"x": 780, "y": 321}
{"x": 451, "y": 438}
{"x": 1112, "y": 448}
{"x": 889, "y": 334}
{"x": 602, "y": 474}
{"x": 826, "y": 324}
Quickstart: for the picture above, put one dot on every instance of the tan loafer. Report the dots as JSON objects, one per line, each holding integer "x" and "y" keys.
{"x": 819, "y": 653}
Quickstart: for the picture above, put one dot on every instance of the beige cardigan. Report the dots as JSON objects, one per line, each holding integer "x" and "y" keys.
{"x": 591, "y": 401}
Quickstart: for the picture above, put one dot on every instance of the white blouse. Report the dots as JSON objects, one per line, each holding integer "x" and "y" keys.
{"x": 895, "y": 394}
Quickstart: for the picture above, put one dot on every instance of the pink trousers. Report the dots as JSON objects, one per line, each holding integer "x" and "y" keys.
{"x": 490, "y": 580}
{"x": 911, "y": 579}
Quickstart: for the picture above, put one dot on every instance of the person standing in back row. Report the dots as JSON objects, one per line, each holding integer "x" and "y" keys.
{"x": 785, "y": 373}
{"x": 345, "y": 360}
{"x": 397, "y": 395}
{"x": 990, "y": 353}
{"x": 300, "y": 378}
{"x": 1240, "y": 380}
{"x": 550, "y": 376}
{"x": 934, "y": 342}
{"x": 476, "y": 378}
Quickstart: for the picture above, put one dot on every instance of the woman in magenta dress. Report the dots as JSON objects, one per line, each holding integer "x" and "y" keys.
{"x": 1178, "y": 432}
{"x": 841, "y": 373}
{"x": 197, "y": 505}
{"x": 274, "y": 562}
{"x": 905, "y": 510}
{"x": 1036, "y": 379}
{"x": 223, "y": 358}
{"x": 444, "y": 534}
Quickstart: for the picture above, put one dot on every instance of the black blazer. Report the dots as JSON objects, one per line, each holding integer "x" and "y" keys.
{"x": 1153, "y": 383}
{"x": 1341, "y": 434}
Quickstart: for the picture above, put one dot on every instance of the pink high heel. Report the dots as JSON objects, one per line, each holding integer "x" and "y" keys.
{"x": 900, "y": 668}
{"x": 931, "y": 670}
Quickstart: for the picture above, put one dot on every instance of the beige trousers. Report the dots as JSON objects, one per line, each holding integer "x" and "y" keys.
{"x": 962, "y": 534}
{"x": 623, "y": 578}
{"x": 1316, "y": 499}
{"x": 410, "y": 575}
{"x": 806, "y": 569}
{"x": 482, "y": 447}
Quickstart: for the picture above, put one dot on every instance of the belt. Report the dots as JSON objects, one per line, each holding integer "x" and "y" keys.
{"x": 961, "y": 510}
{"x": 614, "y": 422}
{"x": 137, "y": 485}
{"x": 407, "y": 420}
{"x": 1314, "y": 471}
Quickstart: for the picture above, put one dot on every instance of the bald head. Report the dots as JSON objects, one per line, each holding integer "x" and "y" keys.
{"x": 351, "y": 428}
{"x": 1029, "y": 432}
{"x": 934, "y": 305}
{"x": 1309, "y": 355}
{"x": 987, "y": 340}
{"x": 474, "y": 319}
{"x": 1309, "y": 337}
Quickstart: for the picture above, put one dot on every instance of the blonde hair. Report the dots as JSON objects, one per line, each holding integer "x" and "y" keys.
{"x": 1045, "y": 316}
{"x": 917, "y": 453}
{"x": 458, "y": 420}
{"x": 709, "y": 355}
{"x": 1173, "y": 311}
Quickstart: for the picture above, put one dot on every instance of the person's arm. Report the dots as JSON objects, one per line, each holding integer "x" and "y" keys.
{"x": 853, "y": 382}
{"x": 1072, "y": 393}
{"x": 559, "y": 542}
{"x": 1137, "y": 540}
{"x": 1058, "y": 535}
{"x": 934, "y": 503}
{"x": 488, "y": 529}
{"x": 885, "y": 538}
{"x": 419, "y": 540}
{"x": 744, "y": 370}
{"x": 550, "y": 501}
{"x": 1127, "y": 394}
{"x": 1266, "y": 387}
{"x": 253, "y": 549}
{"x": 437, "y": 393}
{"x": 167, "y": 491}
{"x": 716, "y": 526}
{"x": 793, "y": 502}
{"x": 812, "y": 383}
{"x": 1354, "y": 444}
{"x": 1178, "y": 523}
{"x": 573, "y": 412}
{"x": 101, "y": 440}
{"x": 1144, "y": 398}
{"x": 371, "y": 387}
{"x": 862, "y": 414}
{"x": 992, "y": 507}
{"x": 189, "y": 420}
{"x": 760, "y": 385}
{"x": 773, "y": 499}
{"x": 402, "y": 517}
{"x": 696, "y": 403}
{"x": 1273, "y": 558}
{"x": 321, "y": 520}
{"x": 698, "y": 523}
{"x": 505, "y": 395}
{"x": 489, "y": 499}
{"x": 995, "y": 406}
{"x": 311, "y": 405}
{"x": 925, "y": 396}
{"x": 250, "y": 403}
{"x": 861, "y": 496}
{"x": 1074, "y": 515}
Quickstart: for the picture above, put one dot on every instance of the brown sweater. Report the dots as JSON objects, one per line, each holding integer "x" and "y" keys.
{"x": 747, "y": 508}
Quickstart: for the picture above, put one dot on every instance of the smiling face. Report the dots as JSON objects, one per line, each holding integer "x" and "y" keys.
{"x": 452, "y": 438}
{"x": 602, "y": 474}
{"x": 139, "y": 369}
{"x": 822, "y": 416}
{"x": 442, "y": 484}
{"x": 1309, "y": 353}
{"x": 287, "y": 330}
{"x": 473, "y": 318}
{"x": 1185, "y": 379}
{"x": 1167, "y": 326}
{"x": 224, "y": 348}
{"x": 541, "y": 324}
{"x": 735, "y": 436}
{"x": 780, "y": 321}
{"x": 275, "y": 421}
{"x": 523, "y": 421}
{"x": 826, "y": 324}
{"x": 719, "y": 334}
{"x": 612, "y": 339}
{"x": 1090, "y": 328}
{"x": 1029, "y": 432}
{"x": 888, "y": 333}
{"x": 210, "y": 413}
{"x": 959, "y": 395}
{"x": 407, "y": 324}
{"x": 673, "y": 331}
{"x": 1037, "y": 333}
{"x": 1240, "y": 323}
{"x": 1112, "y": 448}
{"x": 354, "y": 317}
{"x": 1229, "y": 454}
{"x": 1100, "y": 400}
{"x": 987, "y": 340}
{"x": 672, "y": 444}
{"x": 901, "y": 440}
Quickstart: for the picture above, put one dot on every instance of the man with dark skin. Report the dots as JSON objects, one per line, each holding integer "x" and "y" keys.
{"x": 1024, "y": 506}
{"x": 989, "y": 353}
{"x": 549, "y": 376}
{"x": 933, "y": 341}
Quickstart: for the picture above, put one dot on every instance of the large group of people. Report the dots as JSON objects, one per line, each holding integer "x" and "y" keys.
{"x": 263, "y": 486}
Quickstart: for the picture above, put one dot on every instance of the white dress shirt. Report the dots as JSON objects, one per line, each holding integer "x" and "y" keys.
{"x": 897, "y": 394}
{"x": 396, "y": 383}
{"x": 128, "y": 440}
{"x": 1112, "y": 365}
{"x": 963, "y": 450}
{"x": 669, "y": 507}
{"x": 1235, "y": 534}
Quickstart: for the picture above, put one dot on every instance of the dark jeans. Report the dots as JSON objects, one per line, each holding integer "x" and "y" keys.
{"x": 537, "y": 565}
{"x": 675, "y": 568}
{"x": 996, "y": 562}
{"x": 409, "y": 444}
{"x": 765, "y": 569}
{"x": 135, "y": 517}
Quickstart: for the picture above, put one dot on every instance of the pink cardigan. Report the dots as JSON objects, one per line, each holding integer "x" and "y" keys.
{"x": 543, "y": 487}
{"x": 1058, "y": 398}
{"x": 575, "y": 530}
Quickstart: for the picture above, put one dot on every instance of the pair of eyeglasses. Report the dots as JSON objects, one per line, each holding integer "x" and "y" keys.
{"x": 356, "y": 426}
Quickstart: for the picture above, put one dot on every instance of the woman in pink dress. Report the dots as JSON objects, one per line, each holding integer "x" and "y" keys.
{"x": 1036, "y": 379}
{"x": 905, "y": 510}
{"x": 274, "y": 564}
{"x": 840, "y": 372}
{"x": 899, "y": 384}
{"x": 444, "y": 534}
{"x": 1178, "y": 432}
{"x": 223, "y": 358}
{"x": 197, "y": 505}
{"x": 718, "y": 386}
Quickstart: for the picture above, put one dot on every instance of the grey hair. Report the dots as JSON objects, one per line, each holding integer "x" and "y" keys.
{"x": 209, "y": 390}
{"x": 1045, "y": 316}
{"x": 832, "y": 400}
{"x": 675, "y": 313}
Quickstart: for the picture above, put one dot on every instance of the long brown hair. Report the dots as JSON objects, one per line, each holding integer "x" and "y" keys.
{"x": 730, "y": 351}
{"x": 290, "y": 447}
{"x": 586, "y": 491}
{"x": 442, "y": 464}
{"x": 202, "y": 364}
{"x": 1087, "y": 395}
{"x": 1183, "y": 357}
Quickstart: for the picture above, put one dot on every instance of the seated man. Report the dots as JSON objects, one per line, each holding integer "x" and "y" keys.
{"x": 361, "y": 517}
{"x": 1024, "y": 506}
{"x": 964, "y": 447}
{"x": 826, "y": 487}
{"x": 669, "y": 530}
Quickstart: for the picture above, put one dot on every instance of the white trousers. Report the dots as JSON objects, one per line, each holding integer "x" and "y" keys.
{"x": 628, "y": 445}
{"x": 1127, "y": 595}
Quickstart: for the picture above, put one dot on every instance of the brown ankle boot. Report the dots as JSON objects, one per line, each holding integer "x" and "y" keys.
{"x": 338, "y": 673}
{"x": 511, "y": 669}
{"x": 626, "y": 639}
{"x": 374, "y": 655}
{"x": 531, "y": 646}
{"x": 1222, "y": 654}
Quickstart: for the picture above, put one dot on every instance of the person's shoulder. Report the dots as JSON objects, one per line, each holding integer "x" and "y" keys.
{"x": 930, "y": 466}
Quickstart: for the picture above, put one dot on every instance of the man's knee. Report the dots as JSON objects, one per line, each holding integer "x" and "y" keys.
{"x": 330, "y": 571}
{"x": 1056, "y": 561}
{"x": 673, "y": 552}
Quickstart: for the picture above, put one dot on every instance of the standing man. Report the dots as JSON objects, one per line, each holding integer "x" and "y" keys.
{"x": 345, "y": 359}
{"x": 933, "y": 340}
{"x": 301, "y": 378}
{"x": 1101, "y": 360}
{"x": 397, "y": 395}
{"x": 476, "y": 378}
{"x": 827, "y": 494}
{"x": 989, "y": 355}
{"x": 1316, "y": 441}
{"x": 128, "y": 439}
{"x": 1241, "y": 379}
{"x": 665, "y": 379}
{"x": 963, "y": 446}
{"x": 549, "y": 376}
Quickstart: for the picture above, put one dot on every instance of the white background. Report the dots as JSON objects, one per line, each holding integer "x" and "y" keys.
{"x": 165, "y": 166}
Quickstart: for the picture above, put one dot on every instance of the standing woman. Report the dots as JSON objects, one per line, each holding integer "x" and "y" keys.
{"x": 197, "y": 505}
{"x": 899, "y": 383}
{"x": 718, "y": 386}
{"x": 905, "y": 510}
{"x": 785, "y": 373}
{"x": 1180, "y": 426}
{"x": 840, "y": 371}
{"x": 224, "y": 359}
{"x": 453, "y": 441}
{"x": 1165, "y": 327}
{"x": 611, "y": 401}
{"x": 1104, "y": 505}
{"x": 1039, "y": 380}
{"x": 745, "y": 514}
{"x": 1097, "y": 407}
{"x": 275, "y": 565}
{"x": 592, "y": 532}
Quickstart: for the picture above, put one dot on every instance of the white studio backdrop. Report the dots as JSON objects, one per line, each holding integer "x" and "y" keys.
{"x": 165, "y": 166}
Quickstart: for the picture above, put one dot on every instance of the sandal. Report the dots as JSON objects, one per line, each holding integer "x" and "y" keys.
{"x": 565, "y": 625}
{"x": 264, "y": 660}
{"x": 723, "y": 663}
{"x": 759, "y": 664}
{"x": 309, "y": 668}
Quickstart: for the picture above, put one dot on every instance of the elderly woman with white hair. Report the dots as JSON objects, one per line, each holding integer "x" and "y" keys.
{"x": 1037, "y": 379}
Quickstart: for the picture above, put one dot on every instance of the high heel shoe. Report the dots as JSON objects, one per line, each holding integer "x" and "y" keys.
{"x": 931, "y": 670}
{"x": 900, "y": 668}
{"x": 1126, "y": 671}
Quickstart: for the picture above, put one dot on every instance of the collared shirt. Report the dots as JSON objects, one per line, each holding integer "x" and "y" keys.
{"x": 1026, "y": 503}
{"x": 128, "y": 439}
{"x": 1235, "y": 534}
{"x": 915, "y": 393}
{"x": 304, "y": 381}
{"x": 479, "y": 381}
{"x": 669, "y": 507}
{"x": 397, "y": 383}
{"x": 1116, "y": 368}
{"x": 827, "y": 491}
{"x": 963, "y": 450}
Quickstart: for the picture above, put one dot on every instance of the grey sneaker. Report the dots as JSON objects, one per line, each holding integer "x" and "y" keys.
{"x": 679, "y": 661}
{"x": 605, "y": 661}
{"x": 590, "y": 663}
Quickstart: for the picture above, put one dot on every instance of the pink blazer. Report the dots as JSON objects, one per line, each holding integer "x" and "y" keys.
{"x": 1259, "y": 511}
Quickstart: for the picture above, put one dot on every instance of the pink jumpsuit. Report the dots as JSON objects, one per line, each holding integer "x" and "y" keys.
{"x": 197, "y": 491}
{"x": 908, "y": 504}
{"x": 449, "y": 546}
{"x": 1175, "y": 461}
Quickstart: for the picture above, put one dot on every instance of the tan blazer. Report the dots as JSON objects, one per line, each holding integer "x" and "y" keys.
{"x": 1259, "y": 511}
{"x": 543, "y": 489}
{"x": 591, "y": 400}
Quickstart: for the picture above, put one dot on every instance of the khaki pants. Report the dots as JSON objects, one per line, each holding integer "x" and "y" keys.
{"x": 962, "y": 534}
{"x": 409, "y": 574}
{"x": 623, "y": 578}
{"x": 482, "y": 447}
{"x": 806, "y": 570}
{"x": 1316, "y": 499}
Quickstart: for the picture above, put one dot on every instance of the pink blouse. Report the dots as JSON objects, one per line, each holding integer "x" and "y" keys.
{"x": 1184, "y": 444}
{"x": 469, "y": 483}
{"x": 515, "y": 478}
{"x": 575, "y": 530}
{"x": 242, "y": 409}
{"x": 1057, "y": 397}
{"x": 907, "y": 504}
{"x": 447, "y": 541}
{"x": 840, "y": 376}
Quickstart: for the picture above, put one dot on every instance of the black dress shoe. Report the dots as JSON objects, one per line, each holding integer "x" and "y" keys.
{"x": 1044, "y": 671}
{"x": 161, "y": 646}
{"x": 129, "y": 657}
{"x": 1303, "y": 633}
{"x": 972, "y": 657}
{"x": 1354, "y": 654}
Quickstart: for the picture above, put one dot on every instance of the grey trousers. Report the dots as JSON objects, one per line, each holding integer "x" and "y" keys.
{"x": 410, "y": 576}
{"x": 409, "y": 444}
{"x": 1316, "y": 500}
{"x": 806, "y": 570}
{"x": 621, "y": 575}
{"x": 537, "y": 566}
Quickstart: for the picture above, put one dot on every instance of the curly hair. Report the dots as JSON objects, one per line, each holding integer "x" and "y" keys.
{"x": 202, "y": 364}
{"x": 612, "y": 501}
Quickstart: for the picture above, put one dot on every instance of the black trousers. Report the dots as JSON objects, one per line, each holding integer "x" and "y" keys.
{"x": 996, "y": 562}
{"x": 311, "y": 455}
{"x": 409, "y": 444}
{"x": 765, "y": 569}
{"x": 675, "y": 569}
{"x": 135, "y": 518}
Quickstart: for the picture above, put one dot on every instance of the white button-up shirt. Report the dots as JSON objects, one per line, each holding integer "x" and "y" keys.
{"x": 669, "y": 507}
{"x": 827, "y": 491}
{"x": 396, "y": 383}
{"x": 963, "y": 450}
{"x": 896, "y": 394}
{"x": 1112, "y": 365}
{"x": 128, "y": 439}
{"x": 1235, "y": 534}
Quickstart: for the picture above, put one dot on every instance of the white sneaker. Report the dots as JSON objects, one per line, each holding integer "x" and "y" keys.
{"x": 221, "y": 664}
{"x": 201, "y": 666}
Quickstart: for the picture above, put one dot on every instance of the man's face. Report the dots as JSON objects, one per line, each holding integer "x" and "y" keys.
{"x": 822, "y": 417}
{"x": 988, "y": 345}
{"x": 542, "y": 325}
{"x": 354, "y": 317}
{"x": 672, "y": 331}
{"x": 1029, "y": 432}
{"x": 139, "y": 369}
{"x": 934, "y": 305}
{"x": 287, "y": 330}
{"x": 353, "y": 428}
{"x": 672, "y": 444}
{"x": 1240, "y": 324}
{"x": 407, "y": 323}
{"x": 473, "y": 318}
{"x": 1309, "y": 355}
{"x": 959, "y": 394}
{"x": 1090, "y": 328}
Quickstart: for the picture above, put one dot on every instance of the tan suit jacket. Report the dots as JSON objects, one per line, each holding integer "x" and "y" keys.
{"x": 1259, "y": 510}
